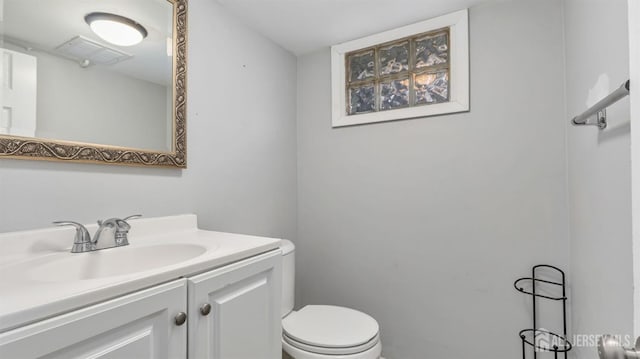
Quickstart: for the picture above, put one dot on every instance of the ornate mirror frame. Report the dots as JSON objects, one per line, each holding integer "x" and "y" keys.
{"x": 28, "y": 148}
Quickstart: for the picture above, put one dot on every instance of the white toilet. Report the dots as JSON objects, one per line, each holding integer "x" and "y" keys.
{"x": 323, "y": 331}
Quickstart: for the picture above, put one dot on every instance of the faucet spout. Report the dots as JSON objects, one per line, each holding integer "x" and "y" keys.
{"x": 103, "y": 226}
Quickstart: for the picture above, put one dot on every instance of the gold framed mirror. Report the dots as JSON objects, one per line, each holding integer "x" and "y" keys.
{"x": 135, "y": 114}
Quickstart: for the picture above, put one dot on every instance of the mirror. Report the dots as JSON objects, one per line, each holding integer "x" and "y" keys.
{"x": 72, "y": 93}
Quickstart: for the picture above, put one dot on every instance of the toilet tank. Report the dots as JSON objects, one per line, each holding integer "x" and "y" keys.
{"x": 288, "y": 276}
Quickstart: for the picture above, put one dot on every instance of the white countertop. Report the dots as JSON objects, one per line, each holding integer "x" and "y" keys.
{"x": 25, "y": 299}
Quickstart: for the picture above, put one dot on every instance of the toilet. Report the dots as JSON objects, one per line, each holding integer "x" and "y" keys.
{"x": 323, "y": 331}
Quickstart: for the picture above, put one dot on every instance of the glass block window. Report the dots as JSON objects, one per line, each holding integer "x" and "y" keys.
{"x": 408, "y": 72}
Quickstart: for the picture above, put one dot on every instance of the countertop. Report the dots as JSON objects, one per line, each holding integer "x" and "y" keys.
{"x": 25, "y": 299}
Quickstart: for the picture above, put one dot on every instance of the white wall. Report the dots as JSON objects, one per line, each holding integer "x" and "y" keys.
{"x": 426, "y": 223}
{"x": 242, "y": 127}
{"x": 597, "y": 62}
{"x": 634, "y": 69}
{"x": 71, "y": 105}
{"x": 241, "y": 138}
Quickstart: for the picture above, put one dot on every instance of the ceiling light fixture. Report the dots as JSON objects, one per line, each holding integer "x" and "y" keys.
{"x": 116, "y": 29}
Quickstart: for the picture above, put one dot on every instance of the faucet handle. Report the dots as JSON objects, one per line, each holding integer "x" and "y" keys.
{"x": 117, "y": 221}
{"x": 82, "y": 240}
{"x": 118, "y": 227}
{"x": 122, "y": 230}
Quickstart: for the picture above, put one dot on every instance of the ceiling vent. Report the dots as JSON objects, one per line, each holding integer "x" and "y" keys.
{"x": 88, "y": 52}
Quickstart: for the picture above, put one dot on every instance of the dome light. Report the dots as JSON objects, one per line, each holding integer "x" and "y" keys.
{"x": 116, "y": 29}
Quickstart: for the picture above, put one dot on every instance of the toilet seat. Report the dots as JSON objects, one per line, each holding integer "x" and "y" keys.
{"x": 332, "y": 350}
{"x": 330, "y": 330}
{"x": 295, "y": 353}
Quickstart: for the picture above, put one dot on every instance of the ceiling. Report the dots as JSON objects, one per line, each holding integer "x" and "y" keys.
{"x": 44, "y": 25}
{"x": 303, "y": 26}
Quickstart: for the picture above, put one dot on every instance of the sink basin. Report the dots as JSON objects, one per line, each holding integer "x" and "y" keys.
{"x": 112, "y": 262}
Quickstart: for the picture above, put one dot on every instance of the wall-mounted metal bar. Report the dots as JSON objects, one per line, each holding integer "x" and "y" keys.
{"x": 599, "y": 108}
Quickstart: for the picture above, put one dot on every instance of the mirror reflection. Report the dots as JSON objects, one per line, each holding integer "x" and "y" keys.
{"x": 93, "y": 71}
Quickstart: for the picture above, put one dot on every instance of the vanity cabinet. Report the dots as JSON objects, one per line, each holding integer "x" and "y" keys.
{"x": 233, "y": 313}
{"x": 138, "y": 325}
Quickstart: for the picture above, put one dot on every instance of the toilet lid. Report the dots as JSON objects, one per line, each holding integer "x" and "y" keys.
{"x": 330, "y": 327}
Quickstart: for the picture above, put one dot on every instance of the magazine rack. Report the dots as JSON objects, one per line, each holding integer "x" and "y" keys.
{"x": 542, "y": 340}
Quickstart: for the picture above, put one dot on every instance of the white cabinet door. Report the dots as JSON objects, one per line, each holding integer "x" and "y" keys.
{"x": 18, "y": 93}
{"x": 136, "y": 326}
{"x": 245, "y": 321}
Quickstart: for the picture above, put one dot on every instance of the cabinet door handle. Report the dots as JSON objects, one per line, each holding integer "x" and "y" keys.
{"x": 205, "y": 309}
{"x": 181, "y": 318}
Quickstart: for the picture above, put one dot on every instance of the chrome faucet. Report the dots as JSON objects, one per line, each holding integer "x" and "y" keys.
{"x": 119, "y": 229}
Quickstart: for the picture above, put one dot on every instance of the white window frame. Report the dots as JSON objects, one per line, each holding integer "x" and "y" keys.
{"x": 458, "y": 24}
